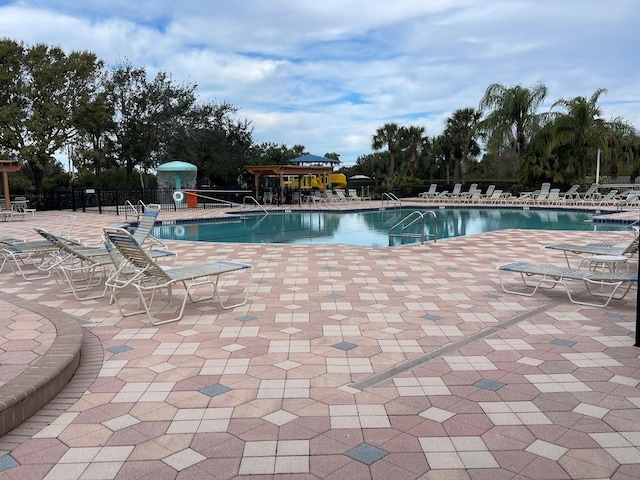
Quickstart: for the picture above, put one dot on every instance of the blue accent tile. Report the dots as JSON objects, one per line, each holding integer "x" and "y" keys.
{"x": 7, "y": 462}
{"x": 345, "y": 346}
{"x": 493, "y": 295}
{"x": 400, "y": 280}
{"x": 431, "y": 317}
{"x": 213, "y": 390}
{"x": 119, "y": 349}
{"x": 487, "y": 384}
{"x": 365, "y": 453}
{"x": 563, "y": 343}
{"x": 245, "y": 318}
{"x": 334, "y": 296}
{"x": 613, "y": 315}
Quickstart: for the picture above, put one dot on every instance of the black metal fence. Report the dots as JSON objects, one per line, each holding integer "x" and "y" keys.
{"x": 114, "y": 200}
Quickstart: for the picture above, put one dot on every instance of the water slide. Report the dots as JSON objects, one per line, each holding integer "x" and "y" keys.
{"x": 336, "y": 180}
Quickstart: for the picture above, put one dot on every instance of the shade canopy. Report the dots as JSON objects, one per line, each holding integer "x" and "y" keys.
{"x": 177, "y": 166}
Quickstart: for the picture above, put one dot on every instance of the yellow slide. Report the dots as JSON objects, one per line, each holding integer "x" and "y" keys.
{"x": 338, "y": 180}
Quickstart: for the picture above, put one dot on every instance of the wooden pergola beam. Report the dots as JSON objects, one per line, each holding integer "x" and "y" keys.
{"x": 7, "y": 166}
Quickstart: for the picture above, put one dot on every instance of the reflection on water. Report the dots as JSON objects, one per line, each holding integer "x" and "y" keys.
{"x": 372, "y": 228}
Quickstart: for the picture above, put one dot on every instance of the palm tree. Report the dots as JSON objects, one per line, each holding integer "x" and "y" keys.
{"x": 511, "y": 117}
{"x": 462, "y": 129}
{"x": 412, "y": 138}
{"x": 388, "y": 135}
{"x": 582, "y": 127}
{"x": 443, "y": 153}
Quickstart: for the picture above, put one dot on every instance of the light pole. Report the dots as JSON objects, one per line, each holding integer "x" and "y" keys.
{"x": 637, "y": 344}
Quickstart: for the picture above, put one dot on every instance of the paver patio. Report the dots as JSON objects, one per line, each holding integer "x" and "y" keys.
{"x": 347, "y": 362}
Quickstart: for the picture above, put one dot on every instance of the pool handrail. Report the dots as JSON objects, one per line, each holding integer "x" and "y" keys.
{"x": 134, "y": 210}
{"x": 391, "y": 198}
{"x": 249, "y": 197}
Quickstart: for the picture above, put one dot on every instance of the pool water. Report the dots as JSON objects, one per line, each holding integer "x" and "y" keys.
{"x": 371, "y": 228}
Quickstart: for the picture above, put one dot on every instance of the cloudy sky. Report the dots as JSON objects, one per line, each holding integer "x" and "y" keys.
{"x": 326, "y": 74}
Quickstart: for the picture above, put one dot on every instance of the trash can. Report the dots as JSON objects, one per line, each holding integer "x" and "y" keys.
{"x": 192, "y": 199}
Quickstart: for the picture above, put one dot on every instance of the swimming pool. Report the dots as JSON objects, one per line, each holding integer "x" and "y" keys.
{"x": 371, "y": 228}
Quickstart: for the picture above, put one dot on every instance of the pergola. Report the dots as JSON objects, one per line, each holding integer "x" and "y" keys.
{"x": 7, "y": 166}
{"x": 280, "y": 171}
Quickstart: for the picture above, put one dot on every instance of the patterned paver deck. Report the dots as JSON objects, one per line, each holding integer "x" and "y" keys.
{"x": 347, "y": 362}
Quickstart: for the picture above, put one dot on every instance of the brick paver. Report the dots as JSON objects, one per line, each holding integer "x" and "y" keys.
{"x": 407, "y": 362}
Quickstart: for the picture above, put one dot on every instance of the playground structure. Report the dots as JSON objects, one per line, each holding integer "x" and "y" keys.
{"x": 318, "y": 182}
{"x": 315, "y": 182}
{"x": 303, "y": 175}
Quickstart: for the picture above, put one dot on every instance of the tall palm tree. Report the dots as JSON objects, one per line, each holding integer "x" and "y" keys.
{"x": 443, "y": 153}
{"x": 462, "y": 129}
{"x": 582, "y": 127}
{"x": 511, "y": 115}
{"x": 388, "y": 135}
{"x": 412, "y": 138}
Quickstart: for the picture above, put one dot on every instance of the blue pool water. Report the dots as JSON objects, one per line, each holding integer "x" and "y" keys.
{"x": 371, "y": 228}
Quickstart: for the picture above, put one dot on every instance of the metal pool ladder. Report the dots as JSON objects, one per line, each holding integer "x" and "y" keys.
{"x": 400, "y": 228}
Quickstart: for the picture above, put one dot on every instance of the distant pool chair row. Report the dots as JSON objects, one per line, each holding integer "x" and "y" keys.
{"x": 544, "y": 196}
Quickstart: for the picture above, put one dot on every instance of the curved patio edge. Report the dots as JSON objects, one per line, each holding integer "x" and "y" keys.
{"x": 32, "y": 389}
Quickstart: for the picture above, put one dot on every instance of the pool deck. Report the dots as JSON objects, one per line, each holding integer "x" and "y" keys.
{"x": 347, "y": 362}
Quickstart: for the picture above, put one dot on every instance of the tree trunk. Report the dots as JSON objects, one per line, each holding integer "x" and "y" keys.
{"x": 392, "y": 167}
{"x": 38, "y": 177}
{"x": 129, "y": 175}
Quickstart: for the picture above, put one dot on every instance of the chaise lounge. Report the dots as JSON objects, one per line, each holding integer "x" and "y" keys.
{"x": 535, "y": 276}
{"x": 142, "y": 273}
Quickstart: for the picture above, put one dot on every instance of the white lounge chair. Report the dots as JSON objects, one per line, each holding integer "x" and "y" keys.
{"x": 609, "y": 199}
{"x": 143, "y": 233}
{"x": 353, "y": 195}
{"x": 147, "y": 277}
{"x": 631, "y": 198}
{"x": 472, "y": 189}
{"x": 552, "y": 197}
{"x": 441, "y": 197}
{"x": 570, "y": 197}
{"x": 82, "y": 268}
{"x": 429, "y": 193}
{"x": 456, "y": 192}
{"x": 341, "y": 196}
{"x": 591, "y": 249}
{"x": 489, "y": 191}
{"x": 475, "y": 197}
{"x": 536, "y": 276}
{"x": 590, "y": 195}
{"x": 496, "y": 197}
{"x": 35, "y": 259}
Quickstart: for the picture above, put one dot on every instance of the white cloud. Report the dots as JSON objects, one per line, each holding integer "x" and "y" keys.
{"x": 327, "y": 74}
